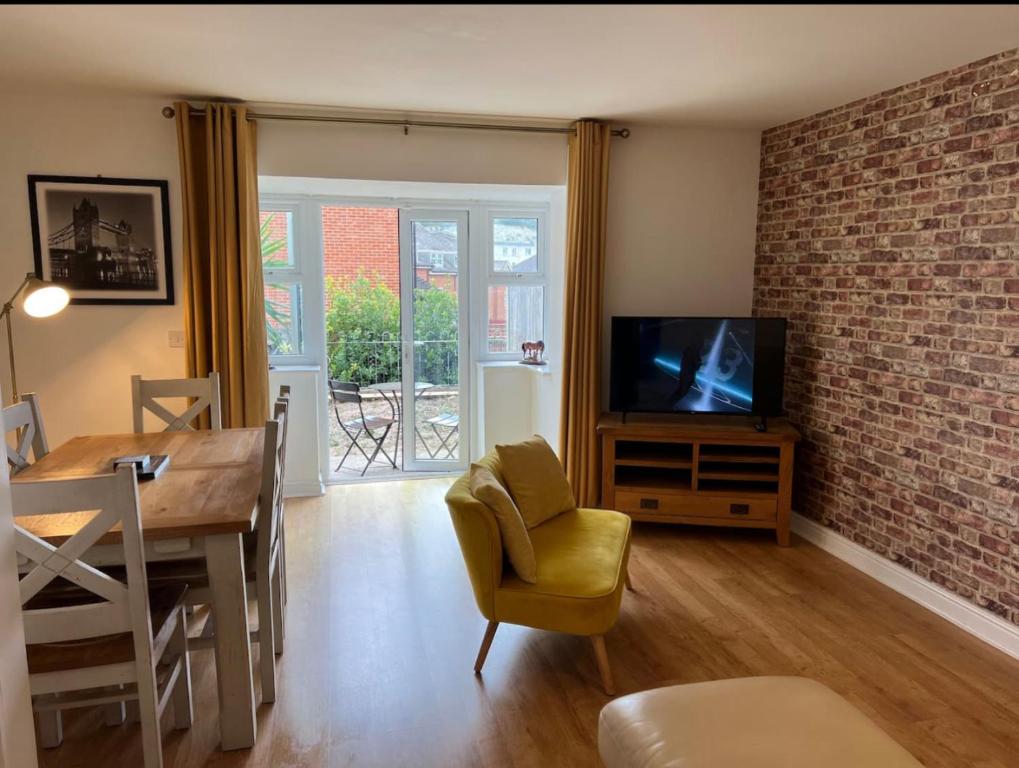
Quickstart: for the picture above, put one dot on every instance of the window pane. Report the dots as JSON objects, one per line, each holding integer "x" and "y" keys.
{"x": 434, "y": 250}
{"x": 515, "y": 245}
{"x": 283, "y": 318}
{"x": 515, "y": 315}
{"x": 276, "y": 236}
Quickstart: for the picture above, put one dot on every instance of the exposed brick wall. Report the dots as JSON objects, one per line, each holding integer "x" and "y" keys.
{"x": 887, "y": 234}
{"x": 362, "y": 240}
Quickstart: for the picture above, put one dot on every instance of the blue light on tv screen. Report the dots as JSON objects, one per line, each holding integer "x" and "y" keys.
{"x": 701, "y": 365}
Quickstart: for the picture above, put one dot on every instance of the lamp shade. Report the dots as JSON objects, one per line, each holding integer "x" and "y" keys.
{"x": 43, "y": 299}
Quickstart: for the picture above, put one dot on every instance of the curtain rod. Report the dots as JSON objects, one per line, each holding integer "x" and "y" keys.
{"x": 623, "y": 133}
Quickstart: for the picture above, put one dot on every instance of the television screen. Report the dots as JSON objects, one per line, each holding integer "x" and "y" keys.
{"x": 697, "y": 365}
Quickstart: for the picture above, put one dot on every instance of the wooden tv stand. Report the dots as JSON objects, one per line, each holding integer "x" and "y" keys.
{"x": 699, "y": 470}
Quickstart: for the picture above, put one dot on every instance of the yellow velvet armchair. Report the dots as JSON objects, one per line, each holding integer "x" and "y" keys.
{"x": 581, "y": 570}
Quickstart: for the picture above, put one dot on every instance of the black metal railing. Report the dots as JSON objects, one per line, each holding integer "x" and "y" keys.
{"x": 436, "y": 361}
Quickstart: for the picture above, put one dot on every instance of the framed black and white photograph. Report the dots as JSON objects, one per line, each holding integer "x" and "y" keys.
{"x": 107, "y": 241}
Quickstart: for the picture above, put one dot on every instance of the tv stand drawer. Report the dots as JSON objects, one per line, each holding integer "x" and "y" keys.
{"x": 693, "y": 505}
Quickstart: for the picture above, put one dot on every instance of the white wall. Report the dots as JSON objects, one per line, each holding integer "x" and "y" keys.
{"x": 681, "y": 224}
{"x": 341, "y": 151}
{"x": 304, "y": 470}
{"x": 682, "y": 215}
{"x": 80, "y": 362}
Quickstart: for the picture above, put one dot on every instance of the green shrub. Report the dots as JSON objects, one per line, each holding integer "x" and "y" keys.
{"x": 435, "y": 320}
{"x": 363, "y": 332}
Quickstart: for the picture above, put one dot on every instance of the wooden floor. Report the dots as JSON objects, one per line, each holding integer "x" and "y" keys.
{"x": 382, "y": 633}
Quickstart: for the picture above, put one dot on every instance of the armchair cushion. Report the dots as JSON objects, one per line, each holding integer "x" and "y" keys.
{"x": 479, "y": 537}
{"x": 535, "y": 480}
{"x": 488, "y": 490}
{"x": 581, "y": 566}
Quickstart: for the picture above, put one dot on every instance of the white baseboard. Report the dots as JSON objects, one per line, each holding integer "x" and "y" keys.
{"x": 982, "y": 624}
{"x": 312, "y": 488}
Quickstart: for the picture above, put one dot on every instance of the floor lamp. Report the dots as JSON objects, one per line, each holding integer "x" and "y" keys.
{"x": 42, "y": 299}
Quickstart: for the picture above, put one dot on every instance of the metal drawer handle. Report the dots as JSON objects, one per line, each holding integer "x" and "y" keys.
{"x": 649, "y": 503}
{"x": 739, "y": 509}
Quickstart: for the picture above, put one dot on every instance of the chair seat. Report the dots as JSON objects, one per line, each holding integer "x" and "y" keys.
{"x": 370, "y": 422}
{"x": 164, "y": 604}
{"x": 450, "y": 420}
{"x": 581, "y": 557}
{"x": 754, "y": 722}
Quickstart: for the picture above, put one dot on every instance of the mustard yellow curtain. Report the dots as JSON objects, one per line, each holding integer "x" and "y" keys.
{"x": 587, "y": 198}
{"x": 224, "y": 308}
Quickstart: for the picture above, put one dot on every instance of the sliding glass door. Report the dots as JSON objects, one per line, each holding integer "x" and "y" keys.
{"x": 434, "y": 321}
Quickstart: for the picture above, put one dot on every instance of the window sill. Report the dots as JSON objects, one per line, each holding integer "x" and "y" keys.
{"x": 294, "y": 368}
{"x": 540, "y": 370}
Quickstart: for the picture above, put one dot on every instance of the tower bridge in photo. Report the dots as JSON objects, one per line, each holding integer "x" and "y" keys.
{"x": 90, "y": 252}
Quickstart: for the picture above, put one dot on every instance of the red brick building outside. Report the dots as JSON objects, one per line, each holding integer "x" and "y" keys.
{"x": 366, "y": 241}
{"x": 362, "y": 241}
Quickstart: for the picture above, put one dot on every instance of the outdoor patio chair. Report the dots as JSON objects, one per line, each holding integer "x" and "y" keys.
{"x": 342, "y": 392}
{"x": 451, "y": 423}
{"x": 445, "y": 426}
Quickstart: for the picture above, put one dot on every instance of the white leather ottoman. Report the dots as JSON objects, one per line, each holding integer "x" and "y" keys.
{"x": 751, "y": 722}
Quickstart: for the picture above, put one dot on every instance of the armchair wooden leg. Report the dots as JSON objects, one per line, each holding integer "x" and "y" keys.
{"x": 486, "y": 643}
{"x": 629, "y": 584}
{"x": 603, "y": 664}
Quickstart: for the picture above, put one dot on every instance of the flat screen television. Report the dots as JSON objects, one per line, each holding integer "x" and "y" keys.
{"x": 728, "y": 365}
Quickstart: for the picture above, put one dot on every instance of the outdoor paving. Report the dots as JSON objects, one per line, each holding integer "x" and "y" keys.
{"x": 428, "y": 406}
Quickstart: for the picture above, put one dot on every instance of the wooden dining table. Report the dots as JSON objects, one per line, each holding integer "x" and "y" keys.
{"x": 201, "y": 506}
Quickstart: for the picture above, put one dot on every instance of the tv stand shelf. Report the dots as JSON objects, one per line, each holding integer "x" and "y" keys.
{"x": 699, "y": 470}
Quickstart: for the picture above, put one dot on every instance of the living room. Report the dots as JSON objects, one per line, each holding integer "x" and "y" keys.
{"x": 644, "y": 390}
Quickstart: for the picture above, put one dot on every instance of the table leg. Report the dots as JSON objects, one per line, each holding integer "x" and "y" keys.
{"x": 224, "y": 555}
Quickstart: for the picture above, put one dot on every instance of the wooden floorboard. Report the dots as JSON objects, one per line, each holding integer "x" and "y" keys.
{"x": 382, "y": 635}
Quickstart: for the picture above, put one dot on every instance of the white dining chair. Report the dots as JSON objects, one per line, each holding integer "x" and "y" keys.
{"x": 93, "y": 638}
{"x": 284, "y": 397}
{"x": 25, "y": 418}
{"x": 264, "y": 562}
{"x": 205, "y": 392}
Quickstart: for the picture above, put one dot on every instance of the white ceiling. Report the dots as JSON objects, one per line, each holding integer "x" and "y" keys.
{"x": 753, "y": 66}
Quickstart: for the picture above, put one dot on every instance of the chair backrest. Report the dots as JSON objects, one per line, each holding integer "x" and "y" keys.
{"x": 108, "y": 605}
{"x": 479, "y": 537}
{"x": 270, "y": 499}
{"x": 284, "y": 397}
{"x": 205, "y": 393}
{"x": 25, "y": 418}
{"x": 344, "y": 391}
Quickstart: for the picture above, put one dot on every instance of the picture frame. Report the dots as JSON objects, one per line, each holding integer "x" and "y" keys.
{"x": 106, "y": 240}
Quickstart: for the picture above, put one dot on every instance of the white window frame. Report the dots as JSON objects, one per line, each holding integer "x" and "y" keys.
{"x": 495, "y": 278}
{"x": 304, "y": 245}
